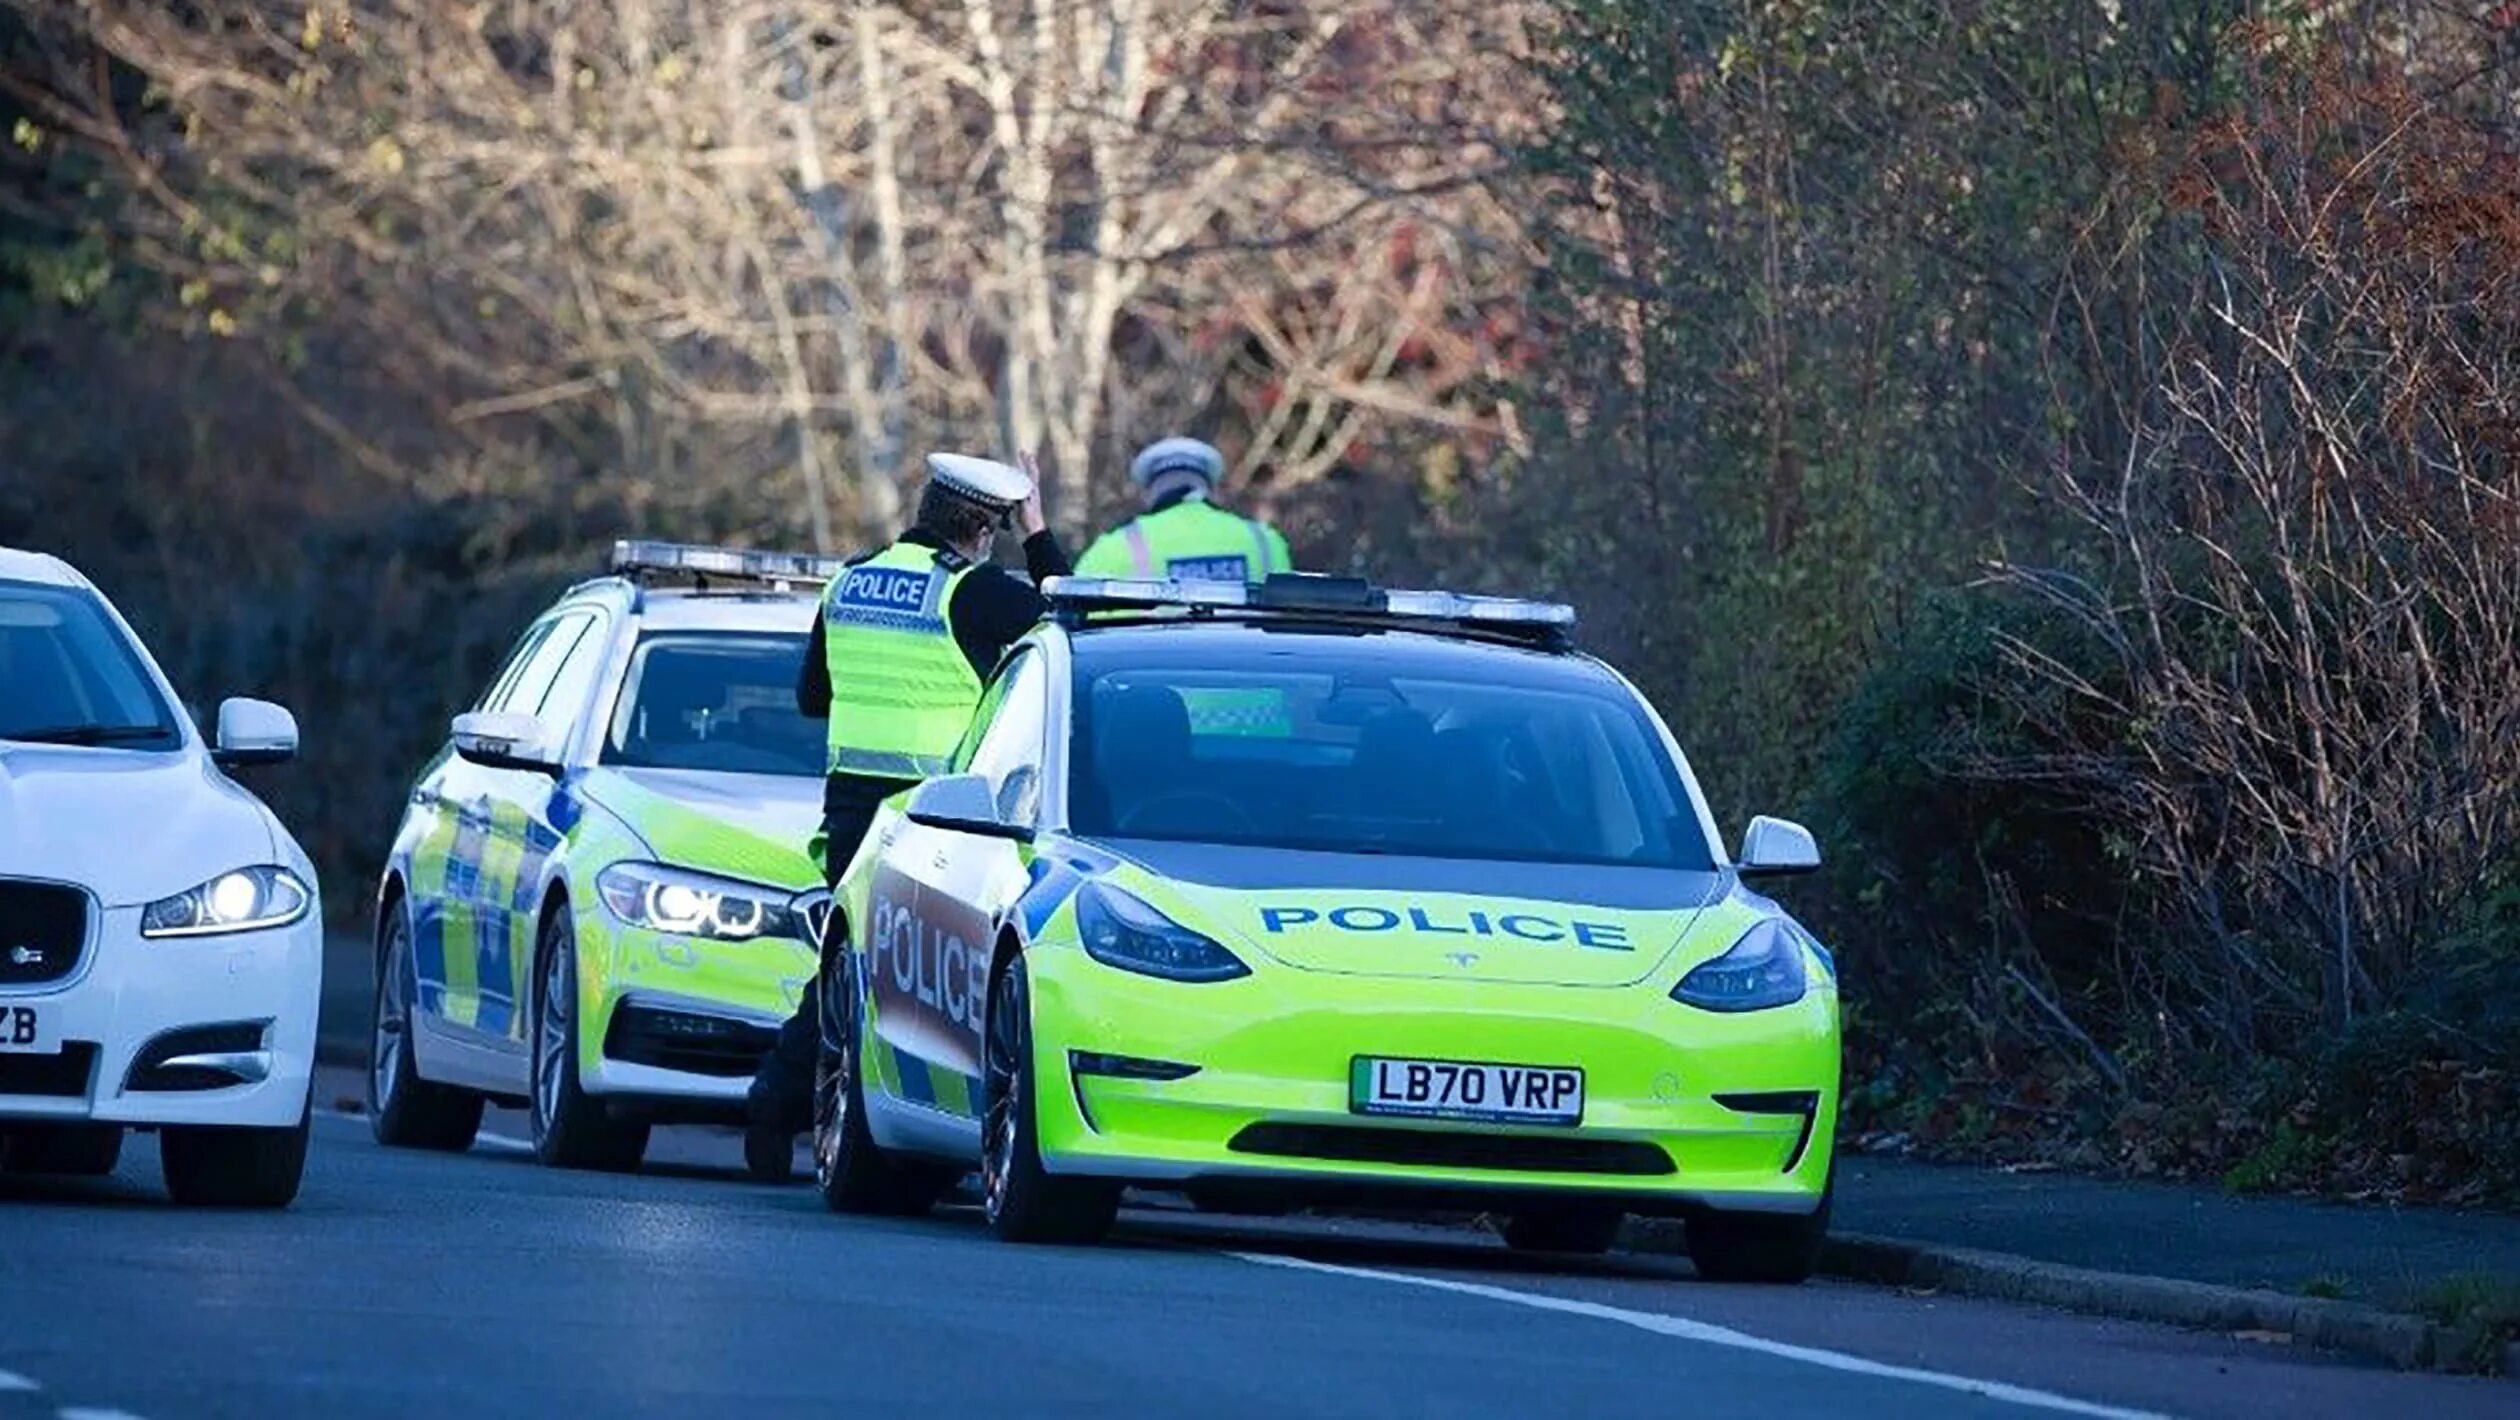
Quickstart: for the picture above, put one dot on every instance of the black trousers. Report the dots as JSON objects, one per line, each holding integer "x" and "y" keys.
{"x": 785, "y": 1081}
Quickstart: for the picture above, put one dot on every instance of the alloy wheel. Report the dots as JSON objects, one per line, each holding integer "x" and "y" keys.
{"x": 551, "y": 1036}
{"x": 834, "y": 1065}
{"x": 1004, "y": 1080}
{"x": 393, "y": 1017}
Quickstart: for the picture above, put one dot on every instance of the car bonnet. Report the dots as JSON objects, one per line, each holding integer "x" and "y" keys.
{"x": 749, "y": 826}
{"x": 1454, "y": 919}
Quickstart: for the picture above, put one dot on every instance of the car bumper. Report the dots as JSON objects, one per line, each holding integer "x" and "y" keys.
{"x": 672, "y": 1018}
{"x": 1684, "y": 1110}
{"x": 132, "y": 1011}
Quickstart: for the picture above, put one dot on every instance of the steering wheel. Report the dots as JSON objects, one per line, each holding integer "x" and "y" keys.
{"x": 1140, "y": 809}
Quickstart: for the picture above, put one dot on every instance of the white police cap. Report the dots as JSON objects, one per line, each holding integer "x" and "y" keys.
{"x": 1177, "y": 455}
{"x": 987, "y": 482}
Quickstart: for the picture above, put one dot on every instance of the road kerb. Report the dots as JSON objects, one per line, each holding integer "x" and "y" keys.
{"x": 2407, "y": 1342}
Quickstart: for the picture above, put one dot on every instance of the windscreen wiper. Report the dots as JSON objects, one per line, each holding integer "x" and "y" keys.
{"x": 86, "y": 734}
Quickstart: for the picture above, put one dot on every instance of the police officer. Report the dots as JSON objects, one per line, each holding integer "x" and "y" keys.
{"x": 1182, "y": 534}
{"x": 900, "y": 648}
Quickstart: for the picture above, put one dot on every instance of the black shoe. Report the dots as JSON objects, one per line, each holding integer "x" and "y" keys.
{"x": 769, "y": 1142}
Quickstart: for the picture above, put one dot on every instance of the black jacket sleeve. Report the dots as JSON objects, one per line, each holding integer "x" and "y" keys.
{"x": 994, "y": 607}
{"x": 813, "y": 679}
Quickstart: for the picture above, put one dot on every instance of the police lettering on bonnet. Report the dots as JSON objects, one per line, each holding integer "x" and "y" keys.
{"x": 896, "y": 662}
{"x": 1281, "y": 918}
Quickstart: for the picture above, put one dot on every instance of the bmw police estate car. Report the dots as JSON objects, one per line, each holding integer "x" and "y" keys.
{"x": 600, "y": 898}
{"x": 161, "y": 943}
{"x": 1308, "y": 891}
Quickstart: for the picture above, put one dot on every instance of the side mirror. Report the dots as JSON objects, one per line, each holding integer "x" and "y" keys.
{"x": 962, "y": 803}
{"x": 497, "y": 739}
{"x": 254, "y": 732}
{"x": 1775, "y": 847}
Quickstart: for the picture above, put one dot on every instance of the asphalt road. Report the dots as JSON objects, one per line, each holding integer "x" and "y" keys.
{"x": 418, "y": 1285}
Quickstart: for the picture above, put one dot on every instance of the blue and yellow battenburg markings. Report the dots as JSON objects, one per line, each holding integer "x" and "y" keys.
{"x": 905, "y": 1076}
{"x": 473, "y": 921}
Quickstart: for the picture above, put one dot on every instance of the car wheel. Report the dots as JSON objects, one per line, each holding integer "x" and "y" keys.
{"x": 853, "y": 1172}
{"x": 1758, "y": 1247}
{"x": 221, "y": 1166}
{"x": 1571, "y": 1228}
{"x": 405, "y": 1111}
{"x": 1023, "y": 1202}
{"x": 90, "y": 1150}
{"x": 571, "y": 1128}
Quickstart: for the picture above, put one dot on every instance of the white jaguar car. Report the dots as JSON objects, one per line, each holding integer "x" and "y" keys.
{"x": 161, "y": 940}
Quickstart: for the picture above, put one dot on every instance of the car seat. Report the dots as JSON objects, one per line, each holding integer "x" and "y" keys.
{"x": 1141, "y": 747}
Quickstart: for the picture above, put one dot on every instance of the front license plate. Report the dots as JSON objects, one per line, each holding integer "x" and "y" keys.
{"x": 1456, "y": 1089}
{"x": 25, "y": 1030}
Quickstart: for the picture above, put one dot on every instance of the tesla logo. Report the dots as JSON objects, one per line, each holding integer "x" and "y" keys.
{"x": 25, "y": 956}
{"x": 1464, "y": 960}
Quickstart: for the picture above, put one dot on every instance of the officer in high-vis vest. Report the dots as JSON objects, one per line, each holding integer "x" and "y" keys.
{"x": 1182, "y": 535}
{"x": 900, "y": 648}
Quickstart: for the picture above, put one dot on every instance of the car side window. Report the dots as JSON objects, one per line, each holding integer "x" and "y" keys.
{"x": 985, "y": 713}
{"x": 524, "y": 692}
{"x": 526, "y": 645}
{"x": 566, "y": 700}
{"x": 1008, "y": 751}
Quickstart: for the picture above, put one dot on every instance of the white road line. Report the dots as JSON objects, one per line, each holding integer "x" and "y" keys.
{"x": 485, "y": 1139}
{"x": 1699, "y": 1331}
{"x": 11, "y": 1382}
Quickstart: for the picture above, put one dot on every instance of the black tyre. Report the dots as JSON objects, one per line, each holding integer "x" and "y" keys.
{"x": 571, "y": 1128}
{"x": 405, "y": 1111}
{"x": 1571, "y": 1228}
{"x": 227, "y": 1167}
{"x": 86, "y": 1150}
{"x": 853, "y": 1172}
{"x": 1758, "y": 1247}
{"x": 1023, "y": 1202}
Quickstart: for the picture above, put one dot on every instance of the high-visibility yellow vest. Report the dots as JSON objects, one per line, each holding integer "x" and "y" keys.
{"x": 902, "y": 691}
{"x": 1193, "y": 540}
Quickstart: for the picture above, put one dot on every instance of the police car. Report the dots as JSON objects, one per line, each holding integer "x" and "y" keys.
{"x": 1309, "y": 891}
{"x": 161, "y": 940}
{"x": 600, "y": 898}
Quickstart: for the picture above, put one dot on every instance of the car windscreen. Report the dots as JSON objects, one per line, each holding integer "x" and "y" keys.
{"x": 721, "y": 701}
{"x": 1331, "y": 748}
{"x": 73, "y": 677}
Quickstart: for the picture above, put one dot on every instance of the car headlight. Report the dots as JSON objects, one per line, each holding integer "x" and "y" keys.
{"x": 1762, "y": 970}
{"x": 693, "y": 904}
{"x": 1118, "y": 930}
{"x": 246, "y": 900}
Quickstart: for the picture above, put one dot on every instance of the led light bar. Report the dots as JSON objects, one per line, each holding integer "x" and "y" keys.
{"x": 1125, "y": 593}
{"x": 632, "y": 557}
{"x": 1309, "y": 593}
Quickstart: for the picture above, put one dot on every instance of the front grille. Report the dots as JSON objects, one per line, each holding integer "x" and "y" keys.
{"x": 1522, "y": 1153}
{"x": 43, "y": 929}
{"x": 687, "y": 1041}
{"x": 63, "y": 1076}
